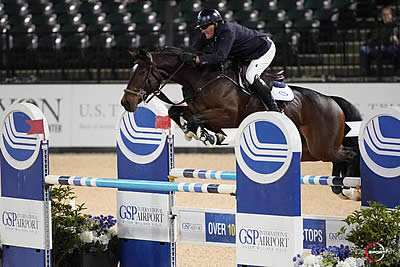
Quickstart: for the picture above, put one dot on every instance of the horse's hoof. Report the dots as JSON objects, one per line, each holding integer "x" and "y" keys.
{"x": 338, "y": 190}
{"x": 220, "y": 138}
{"x": 189, "y": 135}
{"x": 352, "y": 193}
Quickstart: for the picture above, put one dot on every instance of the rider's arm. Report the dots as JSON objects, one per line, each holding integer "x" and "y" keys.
{"x": 223, "y": 46}
{"x": 200, "y": 44}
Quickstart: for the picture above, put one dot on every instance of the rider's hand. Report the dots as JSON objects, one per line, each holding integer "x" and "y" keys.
{"x": 188, "y": 58}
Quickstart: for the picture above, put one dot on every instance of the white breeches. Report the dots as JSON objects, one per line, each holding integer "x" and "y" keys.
{"x": 257, "y": 66}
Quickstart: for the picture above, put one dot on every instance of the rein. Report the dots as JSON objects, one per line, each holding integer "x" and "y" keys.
{"x": 143, "y": 93}
{"x": 146, "y": 97}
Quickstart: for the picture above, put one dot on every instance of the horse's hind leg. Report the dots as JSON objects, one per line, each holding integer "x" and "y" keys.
{"x": 325, "y": 133}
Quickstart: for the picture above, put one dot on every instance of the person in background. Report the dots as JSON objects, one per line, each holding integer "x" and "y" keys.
{"x": 383, "y": 42}
{"x": 225, "y": 39}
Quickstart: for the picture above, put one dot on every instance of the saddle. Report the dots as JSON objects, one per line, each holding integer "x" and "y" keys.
{"x": 279, "y": 89}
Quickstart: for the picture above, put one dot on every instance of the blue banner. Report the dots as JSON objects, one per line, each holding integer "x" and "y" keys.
{"x": 220, "y": 228}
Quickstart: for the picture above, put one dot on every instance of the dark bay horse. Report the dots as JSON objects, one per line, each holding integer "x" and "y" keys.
{"x": 215, "y": 101}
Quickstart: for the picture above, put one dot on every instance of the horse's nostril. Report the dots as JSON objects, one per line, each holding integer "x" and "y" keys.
{"x": 125, "y": 103}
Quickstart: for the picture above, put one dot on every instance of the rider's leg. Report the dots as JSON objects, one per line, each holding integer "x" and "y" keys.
{"x": 256, "y": 67}
{"x": 264, "y": 92}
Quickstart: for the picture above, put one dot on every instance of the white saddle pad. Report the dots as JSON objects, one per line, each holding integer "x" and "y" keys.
{"x": 282, "y": 93}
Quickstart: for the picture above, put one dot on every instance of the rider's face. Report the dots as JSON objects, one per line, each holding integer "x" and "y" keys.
{"x": 208, "y": 31}
{"x": 386, "y": 16}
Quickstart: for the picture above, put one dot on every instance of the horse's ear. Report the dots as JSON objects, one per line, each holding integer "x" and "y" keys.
{"x": 140, "y": 53}
{"x": 144, "y": 54}
{"x": 133, "y": 54}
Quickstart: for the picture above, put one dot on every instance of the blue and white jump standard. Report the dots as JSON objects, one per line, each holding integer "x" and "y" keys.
{"x": 266, "y": 228}
{"x": 25, "y": 206}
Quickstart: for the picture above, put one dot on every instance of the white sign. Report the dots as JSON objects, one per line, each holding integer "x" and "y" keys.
{"x": 143, "y": 216}
{"x": 23, "y": 223}
{"x": 267, "y": 240}
{"x": 86, "y": 115}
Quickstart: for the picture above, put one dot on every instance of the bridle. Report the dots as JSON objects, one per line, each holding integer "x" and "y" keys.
{"x": 142, "y": 93}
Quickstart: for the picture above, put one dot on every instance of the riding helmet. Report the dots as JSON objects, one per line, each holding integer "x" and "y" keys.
{"x": 208, "y": 16}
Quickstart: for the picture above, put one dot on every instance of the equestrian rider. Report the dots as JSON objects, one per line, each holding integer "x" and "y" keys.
{"x": 232, "y": 39}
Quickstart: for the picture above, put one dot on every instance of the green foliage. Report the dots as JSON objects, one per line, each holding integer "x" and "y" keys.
{"x": 375, "y": 224}
{"x": 66, "y": 222}
{"x": 75, "y": 233}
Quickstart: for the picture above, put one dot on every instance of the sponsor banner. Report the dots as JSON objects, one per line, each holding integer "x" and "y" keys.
{"x": 220, "y": 228}
{"x": 191, "y": 227}
{"x": 202, "y": 226}
{"x": 267, "y": 240}
{"x": 322, "y": 231}
{"x": 86, "y": 115}
{"x": 314, "y": 233}
{"x": 332, "y": 237}
{"x": 143, "y": 216}
{"x": 23, "y": 223}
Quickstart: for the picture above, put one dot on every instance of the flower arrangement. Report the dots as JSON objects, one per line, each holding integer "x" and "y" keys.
{"x": 99, "y": 234}
{"x": 331, "y": 256}
{"x": 365, "y": 227}
{"x": 77, "y": 235}
{"x": 375, "y": 224}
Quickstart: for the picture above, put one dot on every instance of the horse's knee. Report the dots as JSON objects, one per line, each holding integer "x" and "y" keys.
{"x": 174, "y": 112}
{"x": 192, "y": 125}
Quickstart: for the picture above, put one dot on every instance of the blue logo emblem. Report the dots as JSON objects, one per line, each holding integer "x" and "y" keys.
{"x": 137, "y": 138}
{"x": 19, "y": 149}
{"x": 264, "y": 146}
{"x": 380, "y": 145}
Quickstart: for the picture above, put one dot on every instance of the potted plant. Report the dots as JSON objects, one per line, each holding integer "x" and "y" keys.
{"x": 375, "y": 233}
{"x": 80, "y": 239}
{"x": 99, "y": 242}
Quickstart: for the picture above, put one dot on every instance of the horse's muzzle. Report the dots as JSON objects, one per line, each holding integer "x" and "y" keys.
{"x": 128, "y": 105}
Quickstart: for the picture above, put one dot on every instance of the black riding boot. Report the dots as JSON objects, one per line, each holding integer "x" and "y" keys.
{"x": 264, "y": 93}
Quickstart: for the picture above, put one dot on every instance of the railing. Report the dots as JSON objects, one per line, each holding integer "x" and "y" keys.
{"x": 322, "y": 54}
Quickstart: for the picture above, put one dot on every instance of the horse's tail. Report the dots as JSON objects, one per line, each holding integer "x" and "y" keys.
{"x": 351, "y": 113}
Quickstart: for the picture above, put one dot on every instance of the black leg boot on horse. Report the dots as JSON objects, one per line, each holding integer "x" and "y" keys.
{"x": 263, "y": 91}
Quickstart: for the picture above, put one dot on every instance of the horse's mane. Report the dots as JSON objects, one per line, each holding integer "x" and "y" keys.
{"x": 172, "y": 50}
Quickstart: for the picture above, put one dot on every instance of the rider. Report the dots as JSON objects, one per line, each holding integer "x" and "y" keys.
{"x": 227, "y": 38}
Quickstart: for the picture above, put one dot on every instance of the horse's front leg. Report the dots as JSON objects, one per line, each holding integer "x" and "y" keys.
{"x": 207, "y": 125}
{"x": 180, "y": 115}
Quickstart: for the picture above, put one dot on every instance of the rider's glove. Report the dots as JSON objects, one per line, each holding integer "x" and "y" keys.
{"x": 188, "y": 58}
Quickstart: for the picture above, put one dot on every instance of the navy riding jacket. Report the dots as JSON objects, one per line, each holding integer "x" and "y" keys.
{"x": 232, "y": 39}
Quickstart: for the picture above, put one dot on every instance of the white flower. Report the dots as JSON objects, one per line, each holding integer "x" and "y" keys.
{"x": 112, "y": 232}
{"x": 72, "y": 204}
{"x": 351, "y": 262}
{"x": 104, "y": 239}
{"x": 86, "y": 237}
{"x": 313, "y": 261}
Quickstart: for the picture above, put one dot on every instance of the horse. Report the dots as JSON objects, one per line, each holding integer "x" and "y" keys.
{"x": 215, "y": 101}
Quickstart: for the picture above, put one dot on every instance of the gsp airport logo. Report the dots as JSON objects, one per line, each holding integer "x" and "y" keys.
{"x": 20, "y": 144}
{"x": 137, "y": 138}
{"x": 265, "y": 144}
{"x": 380, "y": 145}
